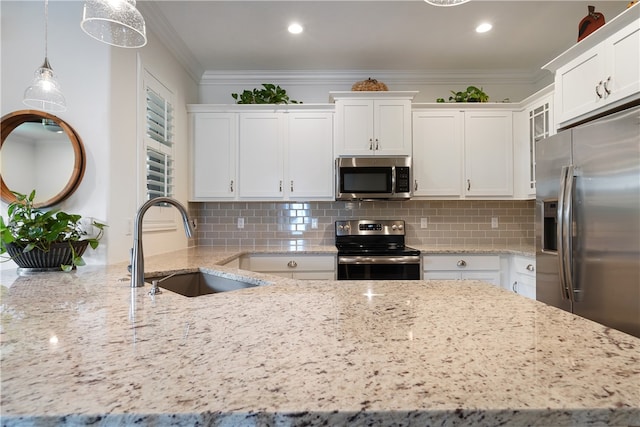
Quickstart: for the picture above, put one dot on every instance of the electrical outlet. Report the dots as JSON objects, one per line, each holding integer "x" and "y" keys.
{"x": 240, "y": 222}
{"x": 314, "y": 223}
{"x": 494, "y": 222}
{"x": 423, "y": 222}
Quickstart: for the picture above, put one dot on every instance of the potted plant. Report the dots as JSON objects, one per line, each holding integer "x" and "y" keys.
{"x": 270, "y": 94}
{"x": 44, "y": 240}
{"x": 472, "y": 94}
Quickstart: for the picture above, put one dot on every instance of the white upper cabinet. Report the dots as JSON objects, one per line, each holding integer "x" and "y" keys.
{"x": 438, "y": 143}
{"x": 286, "y": 154}
{"x": 488, "y": 153}
{"x": 261, "y": 148}
{"x": 373, "y": 123}
{"x": 531, "y": 124}
{"x": 463, "y": 154}
{"x": 214, "y": 141}
{"x": 310, "y": 156}
{"x": 600, "y": 72}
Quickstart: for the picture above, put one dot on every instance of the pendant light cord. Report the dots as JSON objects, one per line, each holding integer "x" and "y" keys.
{"x": 46, "y": 28}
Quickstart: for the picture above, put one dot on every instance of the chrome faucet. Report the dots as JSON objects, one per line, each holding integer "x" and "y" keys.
{"x": 137, "y": 257}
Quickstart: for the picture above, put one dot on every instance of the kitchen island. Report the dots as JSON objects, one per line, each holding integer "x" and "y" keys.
{"x": 84, "y": 348}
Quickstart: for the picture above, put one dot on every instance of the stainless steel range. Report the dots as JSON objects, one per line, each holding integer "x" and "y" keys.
{"x": 375, "y": 250}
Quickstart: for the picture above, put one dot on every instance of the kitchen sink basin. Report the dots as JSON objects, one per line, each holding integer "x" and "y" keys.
{"x": 199, "y": 283}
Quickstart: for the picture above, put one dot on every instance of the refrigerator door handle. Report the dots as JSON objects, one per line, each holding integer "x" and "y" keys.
{"x": 565, "y": 207}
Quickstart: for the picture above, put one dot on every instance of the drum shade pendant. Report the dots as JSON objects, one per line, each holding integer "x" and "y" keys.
{"x": 114, "y": 22}
{"x": 44, "y": 93}
{"x": 446, "y": 2}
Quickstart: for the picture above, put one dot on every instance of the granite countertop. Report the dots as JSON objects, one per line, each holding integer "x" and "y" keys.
{"x": 84, "y": 348}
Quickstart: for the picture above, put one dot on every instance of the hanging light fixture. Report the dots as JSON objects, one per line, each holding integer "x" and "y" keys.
{"x": 446, "y": 2}
{"x": 114, "y": 22}
{"x": 44, "y": 93}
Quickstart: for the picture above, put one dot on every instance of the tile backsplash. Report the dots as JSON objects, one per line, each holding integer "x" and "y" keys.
{"x": 292, "y": 224}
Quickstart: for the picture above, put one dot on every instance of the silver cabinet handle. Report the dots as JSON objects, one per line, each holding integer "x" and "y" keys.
{"x": 468, "y": 185}
{"x": 292, "y": 264}
{"x": 371, "y": 144}
{"x": 415, "y": 185}
{"x": 231, "y": 186}
{"x": 280, "y": 186}
{"x": 292, "y": 186}
{"x": 514, "y": 287}
{"x": 606, "y": 85}
{"x": 530, "y": 267}
{"x": 598, "y": 89}
{"x": 377, "y": 144}
{"x": 461, "y": 263}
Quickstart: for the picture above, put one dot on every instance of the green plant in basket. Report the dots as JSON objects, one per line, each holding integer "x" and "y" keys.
{"x": 269, "y": 94}
{"x": 30, "y": 231}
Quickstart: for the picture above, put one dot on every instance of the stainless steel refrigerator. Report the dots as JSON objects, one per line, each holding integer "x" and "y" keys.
{"x": 588, "y": 220}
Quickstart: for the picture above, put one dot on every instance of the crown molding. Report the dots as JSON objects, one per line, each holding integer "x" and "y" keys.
{"x": 161, "y": 28}
{"x": 328, "y": 77}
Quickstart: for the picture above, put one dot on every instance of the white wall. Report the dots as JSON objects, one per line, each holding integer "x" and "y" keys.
{"x": 100, "y": 86}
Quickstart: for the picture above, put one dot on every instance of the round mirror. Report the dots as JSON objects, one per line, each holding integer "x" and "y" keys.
{"x": 39, "y": 151}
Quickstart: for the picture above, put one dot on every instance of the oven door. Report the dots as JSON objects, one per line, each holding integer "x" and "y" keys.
{"x": 378, "y": 267}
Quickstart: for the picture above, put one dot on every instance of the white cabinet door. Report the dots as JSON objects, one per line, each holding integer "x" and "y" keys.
{"x": 488, "y": 153}
{"x": 261, "y": 165}
{"x": 354, "y": 127}
{"x": 438, "y": 142}
{"x": 367, "y": 127}
{"x": 531, "y": 125}
{"x": 392, "y": 127}
{"x": 622, "y": 59}
{"x": 523, "y": 276}
{"x": 214, "y": 145}
{"x": 310, "y": 156}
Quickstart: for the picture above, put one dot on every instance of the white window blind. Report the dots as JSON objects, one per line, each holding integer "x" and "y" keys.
{"x": 159, "y": 144}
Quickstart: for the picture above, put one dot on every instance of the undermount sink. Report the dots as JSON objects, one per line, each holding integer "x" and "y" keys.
{"x": 199, "y": 283}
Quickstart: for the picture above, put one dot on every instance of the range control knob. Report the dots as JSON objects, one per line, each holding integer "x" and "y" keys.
{"x": 394, "y": 227}
{"x": 400, "y": 226}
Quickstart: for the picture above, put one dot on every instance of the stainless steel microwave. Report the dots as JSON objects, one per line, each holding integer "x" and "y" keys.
{"x": 364, "y": 178}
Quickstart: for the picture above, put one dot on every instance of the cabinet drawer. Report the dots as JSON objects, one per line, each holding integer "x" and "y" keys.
{"x": 524, "y": 265}
{"x": 461, "y": 262}
{"x": 291, "y": 263}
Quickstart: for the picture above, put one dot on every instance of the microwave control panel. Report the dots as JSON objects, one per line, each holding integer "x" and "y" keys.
{"x": 403, "y": 180}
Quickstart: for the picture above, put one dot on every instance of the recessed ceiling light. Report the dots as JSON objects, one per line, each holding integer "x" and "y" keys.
{"x": 295, "y": 28}
{"x": 484, "y": 27}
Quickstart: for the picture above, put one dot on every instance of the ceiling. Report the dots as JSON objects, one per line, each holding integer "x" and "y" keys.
{"x": 398, "y": 35}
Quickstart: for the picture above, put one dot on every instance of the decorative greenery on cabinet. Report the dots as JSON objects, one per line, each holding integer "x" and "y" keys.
{"x": 269, "y": 94}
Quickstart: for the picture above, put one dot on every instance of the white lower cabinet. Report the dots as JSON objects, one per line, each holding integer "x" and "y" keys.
{"x": 462, "y": 267}
{"x": 522, "y": 276}
{"x": 298, "y": 266}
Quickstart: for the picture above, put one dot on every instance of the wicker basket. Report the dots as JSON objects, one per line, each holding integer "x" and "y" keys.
{"x": 59, "y": 254}
{"x": 369, "y": 85}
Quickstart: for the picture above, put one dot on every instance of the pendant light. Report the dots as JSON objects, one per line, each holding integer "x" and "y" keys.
{"x": 446, "y": 2}
{"x": 114, "y": 22}
{"x": 44, "y": 93}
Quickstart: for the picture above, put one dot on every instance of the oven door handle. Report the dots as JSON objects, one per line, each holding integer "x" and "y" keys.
{"x": 410, "y": 259}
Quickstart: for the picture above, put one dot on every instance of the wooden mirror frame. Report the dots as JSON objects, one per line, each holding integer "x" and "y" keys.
{"x": 15, "y": 119}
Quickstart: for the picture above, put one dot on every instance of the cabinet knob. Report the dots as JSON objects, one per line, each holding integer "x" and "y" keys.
{"x": 461, "y": 263}
{"x": 530, "y": 267}
{"x": 514, "y": 287}
{"x": 292, "y": 264}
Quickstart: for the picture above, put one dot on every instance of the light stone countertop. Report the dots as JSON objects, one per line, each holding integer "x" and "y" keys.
{"x": 84, "y": 348}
